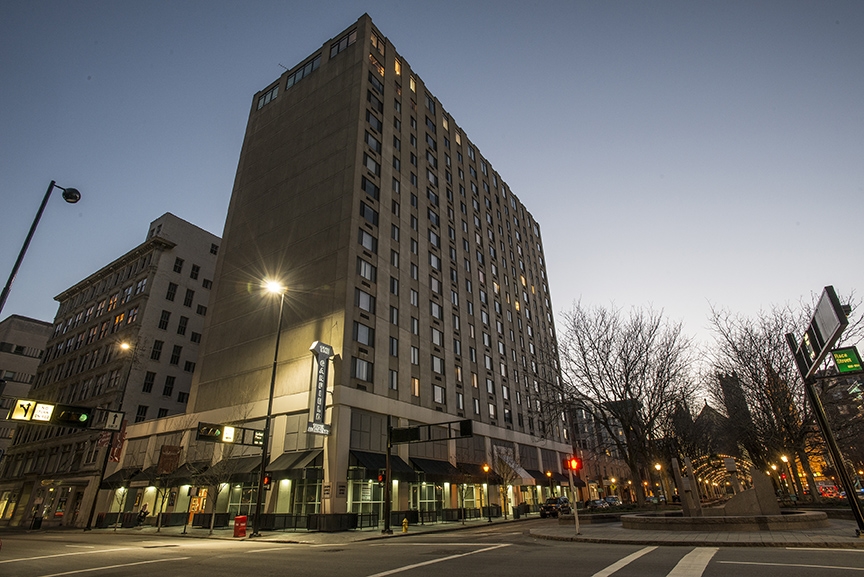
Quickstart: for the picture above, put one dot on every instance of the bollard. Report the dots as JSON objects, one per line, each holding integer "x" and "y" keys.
{"x": 405, "y": 525}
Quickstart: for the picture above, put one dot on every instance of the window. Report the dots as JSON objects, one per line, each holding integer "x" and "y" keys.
{"x": 201, "y": 310}
{"x": 363, "y": 334}
{"x": 140, "y": 287}
{"x": 175, "y": 354}
{"x": 168, "y": 389}
{"x": 394, "y": 316}
{"x": 438, "y": 394}
{"x": 364, "y": 301}
{"x": 343, "y": 43}
{"x": 415, "y": 386}
{"x": 394, "y": 347}
{"x": 193, "y": 274}
{"x": 415, "y": 356}
{"x": 460, "y": 401}
{"x": 370, "y": 214}
{"x": 214, "y": 249}
{"x": 163, "y": 320}
{"x": 149, "y": 377}
{"x": 156, "y": 351}
{"x": 189, "y": 367}
{"x": 268, "y": 96}
{"x": 437, "y": 365}
{"x": 172, "y": 292}
{"x": 373, "y": 121}
{"x": 207, "y": 283}
{"x": 307, "y": 69}
{"x": 141, "y": 413}
{"x": 371, "y": 165}
{"x": 415, "y": 326}
{"x": 437, "y": 337}
{"x": 162, "y": 413}
{"x": 181, "y": 326}
{"x": 361, "y": 369}
{"x": 369, "y": 187}
{"x": 182, "y": 397}
{"x": 394, "y": 286}
{"x": 195, "y": 337}
{"x": 366, "y": 270}
{"x": 436, "y": 310}
{"x": 476, "y": 406}
{"x": 492, "y": 411}
{"x": 187, "y": 300}
{"x": 367, "y": 241}
{"x": 178, "y": 264}
{"x": 394, "y": 380}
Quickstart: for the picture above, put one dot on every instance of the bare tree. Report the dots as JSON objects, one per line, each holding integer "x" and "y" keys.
{"x": 761, "y": 388}
{"x": 628, "y": 371}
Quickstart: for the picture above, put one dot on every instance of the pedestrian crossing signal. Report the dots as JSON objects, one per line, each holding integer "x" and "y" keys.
{"x": 572, "y": 463}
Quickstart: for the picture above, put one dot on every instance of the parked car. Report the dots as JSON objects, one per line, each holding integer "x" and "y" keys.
{"x": 598, "y": 504}
{"x": 613, "y": 500}
{"x": 555, "y": 506}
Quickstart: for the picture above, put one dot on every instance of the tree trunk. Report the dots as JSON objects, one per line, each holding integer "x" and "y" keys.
{"x": 815, "y": 496}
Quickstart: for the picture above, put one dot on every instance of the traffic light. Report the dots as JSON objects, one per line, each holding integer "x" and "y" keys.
{"x": 382, "y": 476}
{"x": 268, "y": 478}
{"x": 573, "y": 463}
{"x": 209, "y": 432}
{"x": 69, "y": 416}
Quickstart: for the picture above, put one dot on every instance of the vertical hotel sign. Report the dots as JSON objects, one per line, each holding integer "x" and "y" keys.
{"x": 322, "y": 354}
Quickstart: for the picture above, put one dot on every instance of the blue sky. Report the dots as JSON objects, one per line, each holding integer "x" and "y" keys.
{"x": 676, "y": 154}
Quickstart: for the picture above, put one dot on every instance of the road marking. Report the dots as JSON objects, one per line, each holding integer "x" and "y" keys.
{"x": 793, "y": 564}
{"x": 433, "y": 561}
{"x": 429, "y": 544}
{"x": 693, "y": 564}
{"x": 65, "y": 555}
{"x": 823, "y": 549}
{"x": 114, "y": 566}
{"x": 623, "y": 562}
{"x": 83, "y": 546}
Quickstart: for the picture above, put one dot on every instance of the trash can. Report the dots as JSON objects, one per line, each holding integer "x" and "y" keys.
{"x": 240, "y": 526}
{"x": 516, "y": 512}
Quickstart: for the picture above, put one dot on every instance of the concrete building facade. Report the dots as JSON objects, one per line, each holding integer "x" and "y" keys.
{"x": 22, "y": 344}
{"x": 152, "y": 302}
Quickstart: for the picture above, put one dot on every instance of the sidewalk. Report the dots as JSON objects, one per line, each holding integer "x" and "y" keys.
{"x": 840, "y": 535}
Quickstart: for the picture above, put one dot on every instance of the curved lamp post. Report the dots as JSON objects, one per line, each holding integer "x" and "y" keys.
{"x": 70, "y": 195}
{"x": 273, "y": 287}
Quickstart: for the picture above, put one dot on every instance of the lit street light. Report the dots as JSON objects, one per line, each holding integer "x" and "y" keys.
{"x": 486, "y": 468}
{"x": 273, "y": 287}
{"x": 70, "y": 195}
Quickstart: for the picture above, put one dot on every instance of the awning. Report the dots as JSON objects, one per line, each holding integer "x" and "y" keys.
{"x": 286, "y": 463}
{"x": 119, "y": 478}
{"x": 237, "y": 470}
{"x": 437, "y": 471}
{"x": 186, "y": 474}
{"x": 505, "y": 459}
{"x": 373, "y": 462}
{"x": 145, "y": 478}
{"x": 473, "y": 473}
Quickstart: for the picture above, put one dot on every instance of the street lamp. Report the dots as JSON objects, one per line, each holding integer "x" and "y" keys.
{"x": 273, "y": 287}
{"x": 124, "y": 346}
{"x": 486, "y": 468}
{"x": 70, "y": 195}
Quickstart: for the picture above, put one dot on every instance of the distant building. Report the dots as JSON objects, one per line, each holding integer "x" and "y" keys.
{"x": 154, "y": 299}
{"x": 402, "y": 248}
{"x": 22, "y": 344}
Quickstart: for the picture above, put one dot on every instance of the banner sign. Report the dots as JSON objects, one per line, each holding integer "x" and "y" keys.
{"x": 322, "y": 354}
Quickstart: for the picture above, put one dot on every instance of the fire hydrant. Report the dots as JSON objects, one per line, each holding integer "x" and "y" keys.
{"x": 405, "y": 525}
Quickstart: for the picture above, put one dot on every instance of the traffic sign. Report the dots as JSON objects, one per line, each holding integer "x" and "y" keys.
{"x": 847, "y": 360}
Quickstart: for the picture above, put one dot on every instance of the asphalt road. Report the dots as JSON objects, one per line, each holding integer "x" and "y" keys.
{"x": 505, "y": 550}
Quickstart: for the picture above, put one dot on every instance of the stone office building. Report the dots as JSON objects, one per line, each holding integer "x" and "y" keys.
{"x": 400, "y": 246}
{"x": 124, "y": 339}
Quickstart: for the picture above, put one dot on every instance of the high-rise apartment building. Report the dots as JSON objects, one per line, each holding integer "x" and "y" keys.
{"x": 401, "y": 246}
{"x": 125, "y": 339}
{"x": 22, "y": 344}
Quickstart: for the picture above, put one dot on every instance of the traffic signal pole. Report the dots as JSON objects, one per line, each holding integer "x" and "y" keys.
{"x": 388, "y": 484}
{"x": 575, "y": 501}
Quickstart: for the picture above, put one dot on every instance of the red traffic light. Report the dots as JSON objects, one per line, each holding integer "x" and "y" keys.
{"x": 268, "y": 478}
{"x": 382, "y": 476}
{"x": 572, "y": 463}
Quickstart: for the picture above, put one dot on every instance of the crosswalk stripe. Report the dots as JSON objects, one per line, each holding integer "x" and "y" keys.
{"x": 623, "y": 562}
{"x": 693, "y": 563}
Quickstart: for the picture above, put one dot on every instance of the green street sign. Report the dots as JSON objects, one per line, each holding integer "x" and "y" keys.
{"x": 847, "y": 360}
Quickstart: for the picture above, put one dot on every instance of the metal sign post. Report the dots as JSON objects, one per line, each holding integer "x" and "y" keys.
{"x": 827, "y": 325}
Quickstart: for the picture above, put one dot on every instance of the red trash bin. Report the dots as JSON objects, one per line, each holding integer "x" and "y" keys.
{"x": 240, "y": 526}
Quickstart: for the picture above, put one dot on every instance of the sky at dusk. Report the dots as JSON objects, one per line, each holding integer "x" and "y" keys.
{"x": 675, "y": 154}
